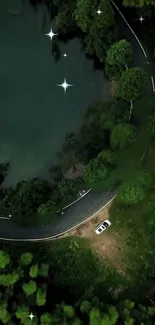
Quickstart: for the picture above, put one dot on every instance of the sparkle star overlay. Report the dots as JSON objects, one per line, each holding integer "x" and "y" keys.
{"x": 65, "y": 85}
{"x": 99, "y": 12}
{"x": 141, "y": 19}
{"x": 51, "y": 34}
{"x": 31, "y": 316}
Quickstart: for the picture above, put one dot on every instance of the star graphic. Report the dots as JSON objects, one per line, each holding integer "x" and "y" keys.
{"x": 65, "y": 55}
{"x": 31, "y": 316}
{"x": 65, "y": 85}
{"x": 141, "y": 19}
{"x": 98, "y": 11}
{"x": 51, "y": 34}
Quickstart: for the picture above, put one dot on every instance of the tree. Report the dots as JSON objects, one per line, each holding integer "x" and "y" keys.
{"x": 34, "y": 271}
{"x": 142, "y": 177}
{"x": 95, "y": 171}
{"x": 99, "y": 29}
{"x": 69, "y": 311}
{"x": 4, "y": 259}
{"x": 29, "y": 288}
{"x": 46, "y": 319}
{"x": 130, "y": 193}
{"x": 120, "y": 109}
{"x": 30, "y": 195}
{"x": 112, "y": 71}
{"x": 22, "y": 313}
{"x": 131, "y": 84}
{"x": 65, "y": 20}
{"x": 152, "y": 124}
{"x": 119, "y": 54}
{"x": 67, "y": 188}
{"x": 138, "y": 3}
{"x": 43, "y": 270}
{"x": 26, "y": 259}
{"x": 122, "y": 135}
{"x": 4, "y": 314}
{"x": 12, "y": 278}
{"x": 41, "y": 297}
{"x": 47, "y": 208}
{"x": 88, "y": 21}
{"x": 107, "y": 158}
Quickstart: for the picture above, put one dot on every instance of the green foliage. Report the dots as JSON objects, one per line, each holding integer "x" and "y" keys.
{"x": 47, "y": 208}
{"x": 135, "y": 190}
{"x": 149, "y": 159}
{"x": 95, "y": 171}
{"x": 151, "y": 311}
{"x": 132, "y": 83}
{"x": 43, "y": 270}
{"x": 123, "y": 135}
{"x": 85, "y": 307}
{"x": 65, "y": 20}
{"x": 25, "y": 199}
{"x": 41, "y": 297}
{"x": 34, "y": 270}
{"x": 22, "y": 313}
{"x": 120, "y": 109}
{"x": 99, "y": 29}
{"x": 85, "y": 15}
{"x": 130, "y": 193}
{"x": 67, "y": 188}
{"x": 4, "y": 259}
{"x": 138, "y": 3}
{"x": 4, "y": 314}
{"x": 107, "y": 157}
{"x": 112, "y": 71}
{"x": 152, "y": 124}
{"x": 29, "y": 288}
{"x": 119, "y": 54}
{"x": 68, "y": 311}
{"x": 26, "y": 259}
{"x": 46, "y": 319}
{"x": 69, "y": 255}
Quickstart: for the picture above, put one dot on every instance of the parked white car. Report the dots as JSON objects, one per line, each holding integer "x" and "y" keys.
{"x": 103, "y": 226}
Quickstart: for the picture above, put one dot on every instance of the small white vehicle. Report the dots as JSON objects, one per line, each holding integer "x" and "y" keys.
{"x": 103, "y": 226}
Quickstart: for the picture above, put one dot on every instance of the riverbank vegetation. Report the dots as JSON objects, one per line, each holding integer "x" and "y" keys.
{"x": 95, "y": 156}
{"x": 64, "y": 282}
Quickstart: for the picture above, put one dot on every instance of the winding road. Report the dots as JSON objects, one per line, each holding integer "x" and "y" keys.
{"x": 92, "y": 202}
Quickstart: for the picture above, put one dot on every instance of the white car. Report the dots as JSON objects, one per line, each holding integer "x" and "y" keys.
{"x": 103, "y": 226}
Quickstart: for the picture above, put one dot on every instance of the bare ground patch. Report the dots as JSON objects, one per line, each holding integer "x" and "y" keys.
{"x": 109, "y": 245}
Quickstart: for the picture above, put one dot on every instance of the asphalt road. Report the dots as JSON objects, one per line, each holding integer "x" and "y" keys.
{"x": 72, "y": 216}
{"x": 90, "y": 203}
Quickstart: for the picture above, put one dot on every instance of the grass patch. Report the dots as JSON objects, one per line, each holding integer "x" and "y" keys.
{"x": 127, "y": 159}
{"x": 131, "y": 224}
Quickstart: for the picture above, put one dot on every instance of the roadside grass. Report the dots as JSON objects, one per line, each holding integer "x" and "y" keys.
{"x": 127, "y": 159}
{"x": 131, "y": 224}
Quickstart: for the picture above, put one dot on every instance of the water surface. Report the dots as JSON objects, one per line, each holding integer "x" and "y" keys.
{"x": 35, "y": 114}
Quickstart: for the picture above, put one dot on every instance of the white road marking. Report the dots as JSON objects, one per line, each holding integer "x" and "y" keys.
{"x": 62, "y": 233}
{"x": 7, "y": 218}
{"x": 153, "y": 85}
{"x": 130, "y": 29}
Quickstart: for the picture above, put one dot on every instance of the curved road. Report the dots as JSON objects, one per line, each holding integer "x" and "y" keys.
{"x": 72, "y": 216}
{"x": 91, "y": 203}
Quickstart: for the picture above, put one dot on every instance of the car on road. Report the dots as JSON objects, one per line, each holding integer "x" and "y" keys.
{"x": 102, "y": 227}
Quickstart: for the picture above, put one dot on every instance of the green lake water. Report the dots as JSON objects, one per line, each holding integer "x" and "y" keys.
{"x": 35, "y": 114}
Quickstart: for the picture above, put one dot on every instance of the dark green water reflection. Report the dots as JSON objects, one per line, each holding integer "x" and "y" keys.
{"x": 35, "y": 114}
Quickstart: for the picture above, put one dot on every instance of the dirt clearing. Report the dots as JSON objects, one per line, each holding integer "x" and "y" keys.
{"x": 108, "y": 245}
